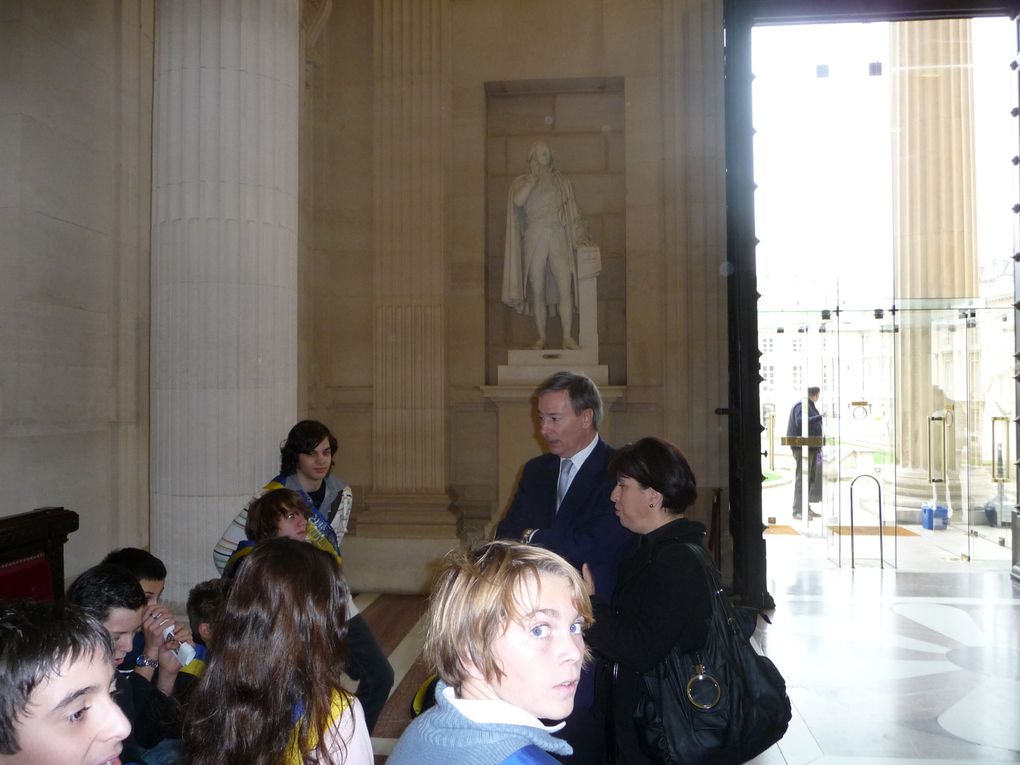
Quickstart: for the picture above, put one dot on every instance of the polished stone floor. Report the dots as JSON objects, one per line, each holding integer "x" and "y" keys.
{"x": 885, "y": 666}
{"x": 894, "y": 666}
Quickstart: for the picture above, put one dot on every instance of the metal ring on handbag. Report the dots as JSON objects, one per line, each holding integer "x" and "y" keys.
{"x": 703, "y": 690}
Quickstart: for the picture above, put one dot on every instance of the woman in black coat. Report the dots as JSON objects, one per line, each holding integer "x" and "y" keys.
{"x": 662, "y": 597}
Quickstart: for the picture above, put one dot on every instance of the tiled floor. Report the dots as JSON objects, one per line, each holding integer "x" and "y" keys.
{"x": 894, "y": 666}
{"x": 885, "y": 666}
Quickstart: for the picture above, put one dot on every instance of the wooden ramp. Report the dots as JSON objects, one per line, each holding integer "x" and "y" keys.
{"x": 396, "y": 623}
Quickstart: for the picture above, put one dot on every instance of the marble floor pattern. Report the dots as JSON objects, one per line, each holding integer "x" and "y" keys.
{"x": 884, "y": 666}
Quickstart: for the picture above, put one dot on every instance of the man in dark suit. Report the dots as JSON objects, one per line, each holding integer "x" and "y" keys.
{"x": 795, "y": 427}
{"x": 562, "y": 503}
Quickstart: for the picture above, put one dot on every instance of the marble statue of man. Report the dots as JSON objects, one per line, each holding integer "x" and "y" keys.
{"x": 543, "y": 229}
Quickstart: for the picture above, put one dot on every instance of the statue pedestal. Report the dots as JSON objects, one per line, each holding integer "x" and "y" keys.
{"x": 589, "y": 266}
{"x": 529, "y": 367}
{"x": 519, "y": 439}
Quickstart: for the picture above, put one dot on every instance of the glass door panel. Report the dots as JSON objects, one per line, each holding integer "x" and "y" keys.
{"x": 797, "y": 354}
{"x": 988, "y": 480}
{"x": 954, "y": 394}
{"x": 885, "y": 268}
{"x": 933, "y": 352}
{"x": 861, "y": 528}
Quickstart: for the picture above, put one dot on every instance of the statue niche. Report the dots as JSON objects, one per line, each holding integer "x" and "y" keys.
{"x": 547, "y": 249}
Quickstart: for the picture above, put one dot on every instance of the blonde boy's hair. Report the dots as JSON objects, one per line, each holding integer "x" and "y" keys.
{"x": 478, "y": 594}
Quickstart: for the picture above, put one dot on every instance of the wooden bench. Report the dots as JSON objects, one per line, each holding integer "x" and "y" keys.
{"x": 32, "y": 553}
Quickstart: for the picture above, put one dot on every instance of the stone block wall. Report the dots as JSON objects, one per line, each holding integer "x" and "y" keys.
{"x": 74, "y": 247}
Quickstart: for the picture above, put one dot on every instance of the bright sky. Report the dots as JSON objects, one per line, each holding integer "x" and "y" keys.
{"x": 823, "y": 163}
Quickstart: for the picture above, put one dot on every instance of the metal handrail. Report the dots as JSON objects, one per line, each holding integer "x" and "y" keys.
{"x": 881, "y": 526}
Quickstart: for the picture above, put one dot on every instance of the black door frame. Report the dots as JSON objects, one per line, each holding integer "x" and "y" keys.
{"x": 745, "y": 427}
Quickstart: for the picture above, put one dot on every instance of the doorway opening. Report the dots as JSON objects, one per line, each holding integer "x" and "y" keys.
{"x": 884, "y": 260}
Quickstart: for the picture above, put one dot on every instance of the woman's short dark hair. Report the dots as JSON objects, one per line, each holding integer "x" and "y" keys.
{"x": 265, "y": 512}
{"x": 302, "y": 439}
{"x": 657, "y": 464}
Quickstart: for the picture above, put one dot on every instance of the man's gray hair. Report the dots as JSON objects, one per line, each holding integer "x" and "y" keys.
{"x": 584, "y": 394}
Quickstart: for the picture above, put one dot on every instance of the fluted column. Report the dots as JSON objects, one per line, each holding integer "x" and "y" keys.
{"x": 934, "y": 220}
{"x": 694, "y": 197}
{"x": 409, "y": 455}
{"x": 224, "y": 266}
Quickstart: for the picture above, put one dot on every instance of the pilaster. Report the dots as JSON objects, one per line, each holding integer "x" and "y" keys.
{"x": 409, "y": 454}
{"x": 694, "y": 351}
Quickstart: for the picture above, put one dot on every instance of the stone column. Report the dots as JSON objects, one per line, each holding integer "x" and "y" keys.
{"x": 409, "y": 454}
{"x": 694, "y": 199}
{"x": 694, "y": 311}
{"x": 224, "y": 267}
{"x": 934, "y": 227}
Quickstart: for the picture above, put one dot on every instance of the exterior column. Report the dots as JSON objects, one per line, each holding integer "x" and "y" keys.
{"x": 224, "y": 267}
{"x": 409, "y": 454}
{"x": 934, "y": 226}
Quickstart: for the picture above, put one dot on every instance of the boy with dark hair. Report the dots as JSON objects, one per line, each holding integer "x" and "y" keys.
{"x": 205, "y": 601}
{"x": 277, "y": 513}
{"x": 56, "y": 677}
{"x": 113, "y": 596}
{"x": 150, "y": 572}
{"x": 147, "y": 568}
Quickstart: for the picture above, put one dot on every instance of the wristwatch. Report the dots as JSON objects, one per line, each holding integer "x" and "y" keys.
{"x": 145, "y": 661}
{"x": 527, "y": 535}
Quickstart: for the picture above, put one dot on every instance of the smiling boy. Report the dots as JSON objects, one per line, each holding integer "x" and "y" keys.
{"x": 56, "y": 680}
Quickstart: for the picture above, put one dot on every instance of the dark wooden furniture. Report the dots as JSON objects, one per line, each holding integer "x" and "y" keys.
{"x": 32, "y": 553}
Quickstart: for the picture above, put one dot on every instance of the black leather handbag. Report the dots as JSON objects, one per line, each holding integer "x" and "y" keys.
{"x": 723, "y": 703}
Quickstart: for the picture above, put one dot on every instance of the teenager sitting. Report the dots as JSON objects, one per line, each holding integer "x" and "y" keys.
{"x": 56, "y": 685}
{"x": 504, "y": 632}
{"x": 271, "y": 692}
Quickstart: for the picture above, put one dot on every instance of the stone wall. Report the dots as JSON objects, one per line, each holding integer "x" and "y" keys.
{"x": 655, "y": 198}
{"x": 75, "y": 106}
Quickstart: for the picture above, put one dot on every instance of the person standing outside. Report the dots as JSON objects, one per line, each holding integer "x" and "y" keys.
{"x": 795, "y": 427}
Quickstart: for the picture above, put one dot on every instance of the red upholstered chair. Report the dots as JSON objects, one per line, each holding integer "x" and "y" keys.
{"x": 32, "y": 553}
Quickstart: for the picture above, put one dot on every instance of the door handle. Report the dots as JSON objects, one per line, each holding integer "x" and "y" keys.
{"x": 936, "y": 429}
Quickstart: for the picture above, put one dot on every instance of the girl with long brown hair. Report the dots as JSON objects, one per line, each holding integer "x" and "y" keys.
{"x": 271, "y": 692}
